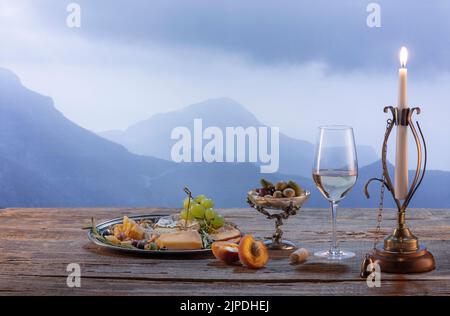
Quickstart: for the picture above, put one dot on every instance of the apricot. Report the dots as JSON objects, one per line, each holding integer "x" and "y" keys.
{"x": 227, "y": 252}
{"x": 252, "y": 253}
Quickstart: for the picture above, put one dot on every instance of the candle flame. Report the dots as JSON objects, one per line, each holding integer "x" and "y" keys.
{"x": 403, "y": 56}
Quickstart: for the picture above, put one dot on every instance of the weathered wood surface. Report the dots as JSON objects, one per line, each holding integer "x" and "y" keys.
{"x": 37, "y": 245}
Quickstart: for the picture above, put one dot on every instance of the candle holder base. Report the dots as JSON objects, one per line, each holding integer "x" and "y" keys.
{"x": 418, "y": 261}
{"x": 401, "y": 240}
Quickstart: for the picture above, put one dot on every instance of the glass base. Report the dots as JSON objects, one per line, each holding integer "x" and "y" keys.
{"x": 282, "y": 245}
{"x": 334, "y": 255}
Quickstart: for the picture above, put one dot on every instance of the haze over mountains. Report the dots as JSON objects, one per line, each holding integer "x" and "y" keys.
{"x": 152, "y": 136}
{"x": 48, "y": 161}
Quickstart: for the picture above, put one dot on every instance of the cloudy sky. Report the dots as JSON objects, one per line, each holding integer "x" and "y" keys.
{"x": 295, "y": 64}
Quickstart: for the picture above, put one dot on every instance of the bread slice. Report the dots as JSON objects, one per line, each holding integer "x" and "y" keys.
{"x": 190, "y": 239}
{"x": 226, "y": 232}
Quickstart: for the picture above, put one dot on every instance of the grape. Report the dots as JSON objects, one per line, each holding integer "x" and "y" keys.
{"x": 210, "y": 214}
{"x": 263, "y": 192}
{"x": 218, "y": 221}
{"x": 186, "y": 202}
{"x": 198, "y": 211}
{"x": 184, "y": 214}
{"x": 200, "y": 198}
{"x": 207, "y": 203}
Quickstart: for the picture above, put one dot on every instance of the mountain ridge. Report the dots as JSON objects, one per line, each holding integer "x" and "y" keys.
{"x": 47, "y": 160}
{"x": 222, "y": 113}
{"x": 75, "y": 165}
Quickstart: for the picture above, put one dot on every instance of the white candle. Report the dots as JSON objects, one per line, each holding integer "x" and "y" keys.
{"x": 401, "y": 153}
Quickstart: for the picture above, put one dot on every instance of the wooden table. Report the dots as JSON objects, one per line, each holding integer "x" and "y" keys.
{"x": 37, "y": 245}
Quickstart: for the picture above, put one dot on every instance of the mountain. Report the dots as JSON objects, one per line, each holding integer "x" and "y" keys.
{"x": 366, "y": 155}
{"x": 152, "y": 136}
{"x": 47, "y": 160}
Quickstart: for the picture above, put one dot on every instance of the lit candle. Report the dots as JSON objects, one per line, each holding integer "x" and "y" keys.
{"x": 401, "y": 154}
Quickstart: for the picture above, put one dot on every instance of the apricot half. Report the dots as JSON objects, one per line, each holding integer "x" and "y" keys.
{"x": 252, "y": 253}
{"x": 225, "y": 251}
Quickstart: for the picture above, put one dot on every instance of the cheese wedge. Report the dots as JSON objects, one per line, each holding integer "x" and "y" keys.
{"x": 180, "y": 240}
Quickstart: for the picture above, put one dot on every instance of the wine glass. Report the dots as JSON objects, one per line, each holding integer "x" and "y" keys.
{"x": 335, "y": 171}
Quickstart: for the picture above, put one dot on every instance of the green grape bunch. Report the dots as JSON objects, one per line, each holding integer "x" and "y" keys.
{"x": 201, "y": 209}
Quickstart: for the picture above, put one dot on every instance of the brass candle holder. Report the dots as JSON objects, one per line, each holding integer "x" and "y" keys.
{"x": 401, "y": 251}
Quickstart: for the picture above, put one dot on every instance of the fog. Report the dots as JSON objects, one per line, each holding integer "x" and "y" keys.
{"x": 294, "y": 64}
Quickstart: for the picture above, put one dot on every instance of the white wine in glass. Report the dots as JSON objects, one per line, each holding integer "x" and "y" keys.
{"x": 334, "y": 184}
{"x": 335, "y": 172}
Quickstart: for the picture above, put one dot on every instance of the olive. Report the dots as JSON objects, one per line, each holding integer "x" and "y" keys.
{"x": 289, "y": 192}
{"x": 298, "y": 190}
{"x": 280, "y": 186}
{"x": 134, "y": 243}
{"x": 141, "y": 244}
{"x": 151, "y": 246}
{"x": 106, "y": 232}
{"x": 266, "y": 184}
{"x": 277, "y": 194}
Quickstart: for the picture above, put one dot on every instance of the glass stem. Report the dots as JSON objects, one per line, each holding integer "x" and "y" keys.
{"x": 334, "y": 244}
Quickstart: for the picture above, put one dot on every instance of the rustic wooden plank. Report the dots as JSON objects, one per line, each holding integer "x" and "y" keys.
{"x": 100, "y": 286}
{"x": 37, "y": 245}
{"x": 277, "y": 271}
